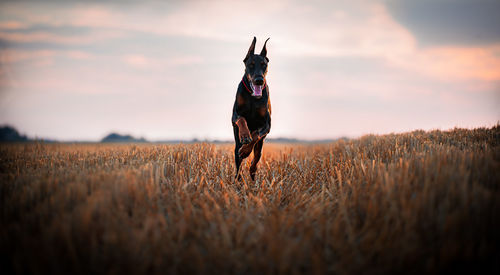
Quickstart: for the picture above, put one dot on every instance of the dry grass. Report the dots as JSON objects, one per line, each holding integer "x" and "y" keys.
{"x": 416, "y": 202}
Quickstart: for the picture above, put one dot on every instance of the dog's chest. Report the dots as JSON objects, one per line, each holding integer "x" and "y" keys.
{"x": 253, "y": 107}
{"x": 260, "y": 107}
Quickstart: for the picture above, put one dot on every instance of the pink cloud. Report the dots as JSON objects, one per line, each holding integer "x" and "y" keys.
{"x": 79, "y": 55}
{"x": 453, "y": 62}
{"x": 11, "y": 56}
{"x": 94, "y": 36}
{"x": 137, "y": 60}
{"x": 12, "y": 25}
{"x": 146, "y": 62}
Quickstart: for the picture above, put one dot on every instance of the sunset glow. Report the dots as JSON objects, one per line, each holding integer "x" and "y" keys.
{"x": 77, "y": 71}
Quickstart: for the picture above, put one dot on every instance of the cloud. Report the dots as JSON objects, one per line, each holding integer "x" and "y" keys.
{"x": 137, "y": 60}
{"x": 338, "y": 29}
{"x": 144, "y": 62}
{"x": 449, "y": 22}
{"x": 359, "y": 29}
{"x": 48, "y": 37}
{"x": 13, "y": 56}
{"x": 454, "y": 62}
{"x": 12, "y": 25}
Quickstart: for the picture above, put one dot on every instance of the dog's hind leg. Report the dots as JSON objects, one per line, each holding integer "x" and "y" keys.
{"x": 257, "y": 152}
{"x": 237, "y": 159}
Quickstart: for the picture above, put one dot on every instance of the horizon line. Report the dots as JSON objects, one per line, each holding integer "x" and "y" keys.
{"x": 129, "y": 138}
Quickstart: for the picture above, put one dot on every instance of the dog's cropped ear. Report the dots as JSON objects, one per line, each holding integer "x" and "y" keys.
{"x": 263, "y": 53}
{"x": 250, "y": 50}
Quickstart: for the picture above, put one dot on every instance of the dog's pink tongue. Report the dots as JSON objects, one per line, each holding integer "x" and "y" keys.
{"x": 257, "y": 90}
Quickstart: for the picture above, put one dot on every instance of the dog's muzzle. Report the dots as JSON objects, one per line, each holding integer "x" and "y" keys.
{"x": 257, "y": 89}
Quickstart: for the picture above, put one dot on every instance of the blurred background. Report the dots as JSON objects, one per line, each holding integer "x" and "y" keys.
{"x": 72, "y": 70}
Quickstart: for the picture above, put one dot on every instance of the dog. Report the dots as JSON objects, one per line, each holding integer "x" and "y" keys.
{"x": 251, "y": 118}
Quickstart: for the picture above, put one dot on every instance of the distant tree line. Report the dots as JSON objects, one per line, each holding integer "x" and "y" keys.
{"x": 10, "y": 134}
{"x": 114, "y": 137}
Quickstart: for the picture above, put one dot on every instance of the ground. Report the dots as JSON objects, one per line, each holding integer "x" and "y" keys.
{"x": 400, "y": 203}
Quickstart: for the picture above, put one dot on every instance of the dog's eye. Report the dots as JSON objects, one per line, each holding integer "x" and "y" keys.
{"x": 251, "y": 66}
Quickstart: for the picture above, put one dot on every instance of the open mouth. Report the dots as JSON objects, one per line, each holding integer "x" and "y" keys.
{"x": 256, "y": 89}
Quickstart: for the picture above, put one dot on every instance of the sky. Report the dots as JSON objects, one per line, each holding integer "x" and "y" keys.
{"x": 72, "y": 70}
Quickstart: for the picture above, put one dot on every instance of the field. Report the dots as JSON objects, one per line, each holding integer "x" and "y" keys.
{"x": 400, "y": 203}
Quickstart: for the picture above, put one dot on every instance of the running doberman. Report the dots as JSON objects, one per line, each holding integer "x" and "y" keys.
{"x": 252, "y": 110}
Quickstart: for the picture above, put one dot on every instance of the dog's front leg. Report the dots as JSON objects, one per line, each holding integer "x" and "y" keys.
{"x": 244, "y": 132}
{"x": 246, "y": 149}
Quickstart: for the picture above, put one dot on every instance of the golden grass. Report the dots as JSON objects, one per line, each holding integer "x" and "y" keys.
{"x": 401, "y": 203}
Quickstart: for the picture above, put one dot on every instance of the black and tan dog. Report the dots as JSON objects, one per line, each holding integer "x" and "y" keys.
{"x": 252, "y": 110}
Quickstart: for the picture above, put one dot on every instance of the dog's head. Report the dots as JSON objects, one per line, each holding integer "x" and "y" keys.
{"x": 256, "y": 68}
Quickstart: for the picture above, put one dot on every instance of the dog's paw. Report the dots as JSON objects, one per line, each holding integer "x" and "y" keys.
{"x": 245, "y": 151}
{"x": 246, "y": 140}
